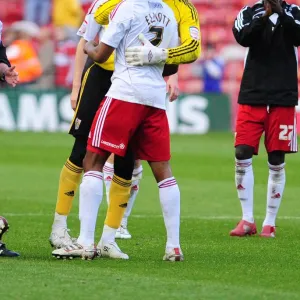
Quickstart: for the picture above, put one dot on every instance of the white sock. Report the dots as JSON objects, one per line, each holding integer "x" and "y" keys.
{"x": 108, "y": 173}
{"x": 136, "y": 177}
{"x": 244, "y": 180}
{"x": 60, "y": 221}
{"x": 169, "y": 196}
{"x": 276, "y": 185}
{"x": 90, "y": 197}
{"x": 108, "y": 235}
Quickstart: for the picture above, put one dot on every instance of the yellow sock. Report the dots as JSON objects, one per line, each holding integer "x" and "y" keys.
{"x": 68, "y": 183}
{"x": 119, "y": 194}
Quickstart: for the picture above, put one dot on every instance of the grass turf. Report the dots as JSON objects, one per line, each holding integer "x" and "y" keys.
{"x": 216, "y": 266}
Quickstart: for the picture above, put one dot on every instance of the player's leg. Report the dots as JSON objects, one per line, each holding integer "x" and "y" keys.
{"x": 169, "y": 196}
{"x": 137, "y": 174}
{"x": 276, "y": 184}
{"x": 68, "y": 183}
{"x": 153, "y": 145}
{"x": 244, "y": 182}
{"x": 4, "y": 252}
{"x": 280, "y": 138}
{"x": 89, "y": 99}
{"x": 91, "y": 189}
{"x": 124, "y": 127}
{"x": 108, "y": 171}
{"x": 118, "y": 200}
{"x": 90, "y": 197}
{"x": 108, "y": 134}
{"x": 249, "y": 128}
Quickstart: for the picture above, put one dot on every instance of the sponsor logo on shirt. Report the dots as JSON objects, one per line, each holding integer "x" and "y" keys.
{"x": 121, "y": 146}
{"x": 195, "y": 33}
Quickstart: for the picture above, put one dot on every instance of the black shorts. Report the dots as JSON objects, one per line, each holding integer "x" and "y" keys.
{"x": 95, "y": 84}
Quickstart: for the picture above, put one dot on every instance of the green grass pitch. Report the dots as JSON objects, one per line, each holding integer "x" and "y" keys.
{"x": 216, "y": 266}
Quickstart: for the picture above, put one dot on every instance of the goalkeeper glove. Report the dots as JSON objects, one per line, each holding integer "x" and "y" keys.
{"x": 145, "y": 55}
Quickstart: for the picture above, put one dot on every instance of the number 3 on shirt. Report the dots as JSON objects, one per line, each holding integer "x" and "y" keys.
{"x": 158, "y": 31}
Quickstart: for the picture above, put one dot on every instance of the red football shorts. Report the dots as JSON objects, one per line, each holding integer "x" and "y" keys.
{"x": 118, "y": 125}
{"x": 278, "y": 124}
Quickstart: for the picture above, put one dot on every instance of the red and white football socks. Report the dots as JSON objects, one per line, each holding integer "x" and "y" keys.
{"x": 90, "y": 198}
{"x": 244, "y": 182}
{"x": 108, "y": 173}
{"x": 169, "y": 196}
{"x": 276, "y": 184}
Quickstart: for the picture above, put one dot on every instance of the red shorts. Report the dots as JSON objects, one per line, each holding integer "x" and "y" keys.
{"x": 278, "y": 124}
{"x": 119, "y": 124}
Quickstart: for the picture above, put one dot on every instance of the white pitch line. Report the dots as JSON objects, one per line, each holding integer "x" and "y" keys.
{"x": 153, "y": 216}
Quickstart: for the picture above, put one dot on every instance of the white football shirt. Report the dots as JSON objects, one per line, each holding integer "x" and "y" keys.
{"x": 144, "y": 85}
{"x": 90, "y": 29}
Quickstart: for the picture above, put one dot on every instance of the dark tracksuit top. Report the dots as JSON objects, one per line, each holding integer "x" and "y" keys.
{"x": 271, "y": 66}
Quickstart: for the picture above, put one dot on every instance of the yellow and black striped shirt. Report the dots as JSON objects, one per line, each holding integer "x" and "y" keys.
{"x": 188, "y": 24}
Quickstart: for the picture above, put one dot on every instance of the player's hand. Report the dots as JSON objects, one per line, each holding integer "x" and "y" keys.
{"x": 11, "y": 76}
{"x": 89, "y": 46}
{"x": 173, "y": 87}
{"x": 74, "y": 97}
{"x": 276, "y": 6}
{"x": 146, "y": 54}
{"x": 268, "y": 9}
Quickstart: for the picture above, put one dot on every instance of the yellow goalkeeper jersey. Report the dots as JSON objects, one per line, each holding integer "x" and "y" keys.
{"x": 188, "y": 25}
{"x": 109, "y": 65}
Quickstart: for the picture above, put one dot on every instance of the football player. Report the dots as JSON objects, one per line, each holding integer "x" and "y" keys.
{"x": 90, "y": 84}
{"x": 142, "y": 132}
{"x": 267, "y": 103}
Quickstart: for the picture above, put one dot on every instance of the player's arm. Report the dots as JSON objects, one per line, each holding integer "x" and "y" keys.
{"x": 173, "y": 87}
{"x": 190, "y": 37}
{"x": 80, "y": 60}
{"x": 291, "y": 21}
{"x": 248, "y": 27}
{"x": 170, "y": 69}
{"x": 120, "y": 22}
{"x": 99, "y": 53}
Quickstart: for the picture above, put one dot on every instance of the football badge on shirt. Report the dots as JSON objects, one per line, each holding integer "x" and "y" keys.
{"x": 77, "y": 123}
{"x": 195, "y": 33}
